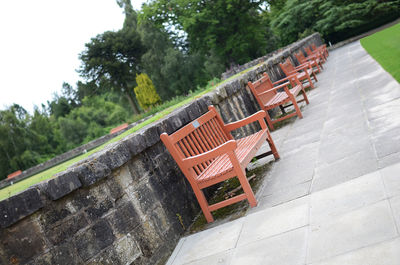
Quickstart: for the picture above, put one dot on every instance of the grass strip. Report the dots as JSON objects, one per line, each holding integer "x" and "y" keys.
{"x": 384, "y": 47}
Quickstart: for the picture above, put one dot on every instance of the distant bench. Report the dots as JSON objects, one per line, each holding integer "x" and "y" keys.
{"x": 119, "y": 128}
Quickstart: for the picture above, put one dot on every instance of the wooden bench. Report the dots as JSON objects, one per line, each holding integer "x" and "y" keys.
{"x": 268, "y": 96}
{"x": 317, "y": 53}
{"x": 315, "y": 62}
{"x": 207, "y": 154}
{"x": 303, "y": 72}
{"x": 321, "y": 48}
{"x": 119, "y": 128}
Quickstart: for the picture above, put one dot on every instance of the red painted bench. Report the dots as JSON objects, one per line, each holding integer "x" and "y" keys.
{"x": 268, "y": 96}
{"x": 315, "y": 62}
{"x": 321, "y": 48}
{"x": 14, "y": 174}
{"x": 207, "y": 154}
{"x": 317, "y": 53}
{"x": 303, "y": 72}
{"x": 119, "y": 128}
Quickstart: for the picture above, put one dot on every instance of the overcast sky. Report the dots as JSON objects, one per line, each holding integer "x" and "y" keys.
{"x": 40, "y": 42}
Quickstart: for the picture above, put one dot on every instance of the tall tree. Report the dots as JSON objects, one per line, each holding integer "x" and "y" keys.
{"x": 113, "y": 59}
{"x": 232, "y": 29}
{"x": 336, "y": 20}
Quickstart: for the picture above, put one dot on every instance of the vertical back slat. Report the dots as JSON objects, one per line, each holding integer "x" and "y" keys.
{"x": 213, "y": 134}
{"x": 219, "y": 130}
{"x": 199, "y": 146}
{"x": 207, "y": 137}
{"x": 192, "y": 153}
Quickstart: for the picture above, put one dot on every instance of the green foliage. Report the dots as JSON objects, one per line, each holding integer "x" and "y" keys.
{"x": 384, "y": 47}
{"x": 146, "y": 92}
{"x": 335, "y": 20}
{"x": 232, "y": 30}
{"x": 112, "y": 59}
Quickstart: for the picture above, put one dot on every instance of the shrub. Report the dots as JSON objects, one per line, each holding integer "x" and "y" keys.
{"x": 146, "y": 93}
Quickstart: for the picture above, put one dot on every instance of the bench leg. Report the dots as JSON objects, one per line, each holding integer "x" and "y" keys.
{"x": 242, "y": 179}
{"x": 269, "y": 121}
{"x": 296, "y": 107}
{"x": 246, "y": 188}
{"x": 305, "y": 96}
{"x": 315, "y": 77}
{"x": 319, "y": 68}
{"x": 272, "y": 146}
{"x": 203, "y": 204}
{"x": 309, "y": 80}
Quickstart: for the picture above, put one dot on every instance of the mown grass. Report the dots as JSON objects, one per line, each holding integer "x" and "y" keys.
{"x": 158, "y": 112}
{"x": 384, "y": 47}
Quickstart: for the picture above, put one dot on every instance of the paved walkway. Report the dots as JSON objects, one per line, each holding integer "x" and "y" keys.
{"x": 334, "y": 197}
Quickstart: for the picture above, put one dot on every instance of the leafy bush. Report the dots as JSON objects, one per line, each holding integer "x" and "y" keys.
{"x": 145, "y": 92}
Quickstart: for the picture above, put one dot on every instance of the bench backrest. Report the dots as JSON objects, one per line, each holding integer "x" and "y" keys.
{"x": 260, "y": 88}
{"x": 313, "y": 46}
{"x": 308, "y": 51}
{"x": 287, "y": 67}
{"x": 199, "y": 136}
{"x": 300, "y": 57}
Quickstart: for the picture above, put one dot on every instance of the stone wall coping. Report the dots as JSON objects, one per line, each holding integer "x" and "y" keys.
{"x": 99, "y": 165}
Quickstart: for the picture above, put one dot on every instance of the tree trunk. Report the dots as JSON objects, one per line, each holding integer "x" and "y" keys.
{"x": 132, "y": 103}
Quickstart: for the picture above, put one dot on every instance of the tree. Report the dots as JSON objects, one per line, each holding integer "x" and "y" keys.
{"x": 146, "y": 92}
{"x": 335, "y": 20}
{"x": 112, "y": 59}
{"x": 231, "y": 29}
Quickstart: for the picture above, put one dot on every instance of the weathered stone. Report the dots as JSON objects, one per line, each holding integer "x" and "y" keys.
{"x": 66, "y": 229}
{"x": 135, "y": 143}
{"x": 149, "y": 244}
{"x": 64, "y": 254}
{"x": 94, "y": 239}
{"x": 98, "y": 210}
{"x": 92, "y": 172}
{"x": 119, "y": 155}
{"x": 22, "y": 242}
{"x": 151, "y": 135}
{"x": 124, "y": 219}
{"x": 54, "y": 213}
{"x": 62, "y": 184}
{"x": 19, "y": 206}
{"x": 123, "y": 251}
{"x": 193, "y": 110}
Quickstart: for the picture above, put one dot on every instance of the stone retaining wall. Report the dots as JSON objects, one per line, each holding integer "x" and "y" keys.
{"x": 127, "y": 204}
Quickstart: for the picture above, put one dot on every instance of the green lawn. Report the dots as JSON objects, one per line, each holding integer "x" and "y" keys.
{"x": 47, "y": 174}
{"x": 384, "y": 47}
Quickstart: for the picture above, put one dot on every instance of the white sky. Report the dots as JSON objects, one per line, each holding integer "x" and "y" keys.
{"x": 40, "y": 42}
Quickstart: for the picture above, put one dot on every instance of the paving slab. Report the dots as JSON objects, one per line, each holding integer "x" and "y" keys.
{"x": 344, "y": 198}
{"x": 386, "y": 253}
{"x": 391, "y": 179}
{"x": 354, "y": 230}
{"x": 286, "y": 249}
{"x": 273, "y": 221}
{"x": 209, "y": 242}
{"x": 334, "y": 196}
{"x": 395, "y": 204}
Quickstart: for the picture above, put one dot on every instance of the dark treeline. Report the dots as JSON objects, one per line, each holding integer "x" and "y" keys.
{"x": 180, "y": 45}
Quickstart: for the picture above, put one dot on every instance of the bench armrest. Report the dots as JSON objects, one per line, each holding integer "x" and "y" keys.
{"x": 284, "y": 79}
{"x": 303, "y": 66}
{"x": 224, "y": 148}
{"x": 258, "y": 116}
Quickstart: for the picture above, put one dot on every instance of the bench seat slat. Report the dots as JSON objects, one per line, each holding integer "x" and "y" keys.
{"x": 222, "y": 164}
